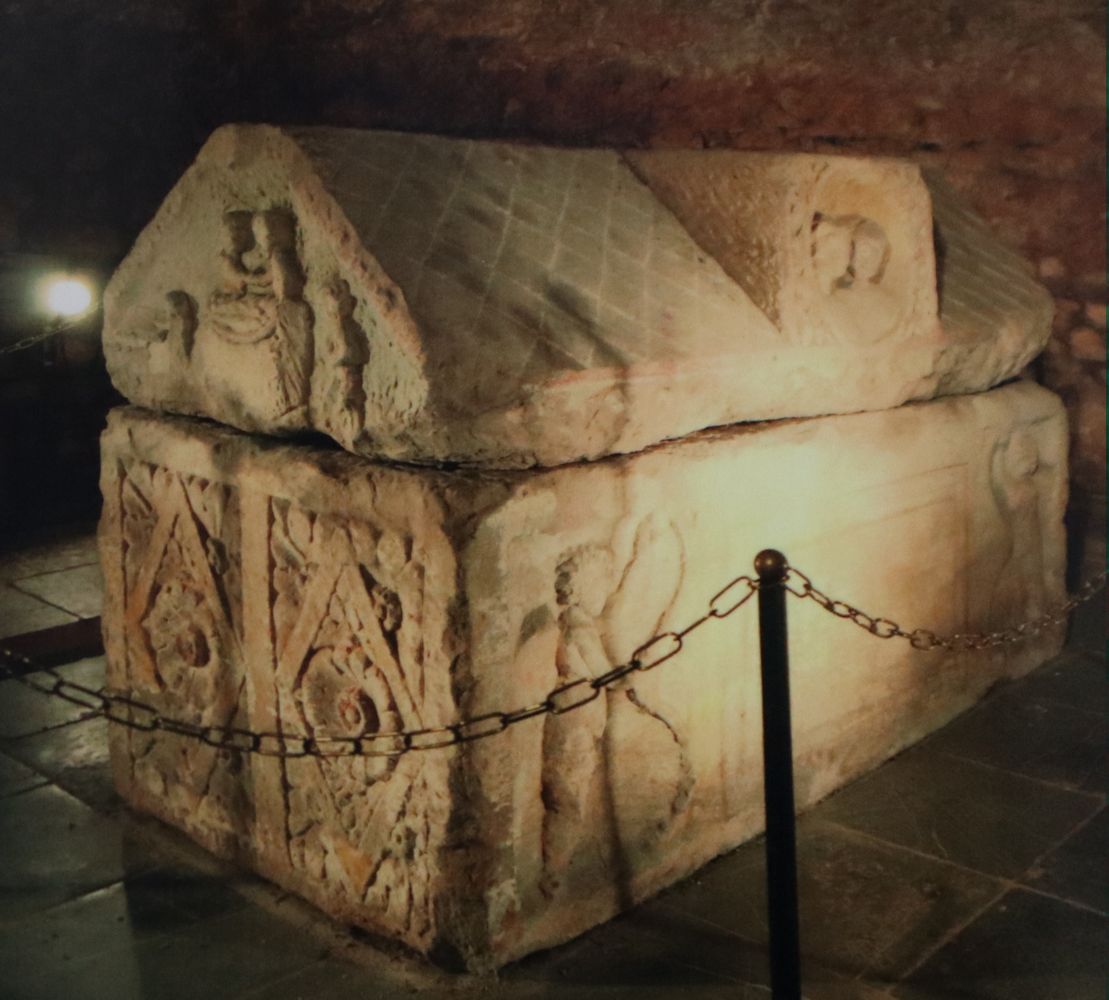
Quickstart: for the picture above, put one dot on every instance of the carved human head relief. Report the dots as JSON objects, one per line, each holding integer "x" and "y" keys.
{"x": 581, "y": 579}
{"x": 848, "y": 250}
{"x": 859, "y": 290}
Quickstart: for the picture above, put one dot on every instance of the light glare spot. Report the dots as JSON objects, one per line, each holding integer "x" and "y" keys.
{"x": 68, "y": 296}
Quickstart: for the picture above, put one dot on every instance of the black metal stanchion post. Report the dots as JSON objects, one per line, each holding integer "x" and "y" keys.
{"x": 777, "y": 749}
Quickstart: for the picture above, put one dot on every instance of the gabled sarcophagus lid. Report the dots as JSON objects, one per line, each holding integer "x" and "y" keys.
{"x": 446, "y": 300}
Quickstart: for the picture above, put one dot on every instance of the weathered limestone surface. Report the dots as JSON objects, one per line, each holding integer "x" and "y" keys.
{"x": 281, "y": 587}
{"x": 434, "y": 299}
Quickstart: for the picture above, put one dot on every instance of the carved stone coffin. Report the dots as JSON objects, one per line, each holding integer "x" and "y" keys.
{"x": 279, "y": 587}
{"x": 433, "y": 299}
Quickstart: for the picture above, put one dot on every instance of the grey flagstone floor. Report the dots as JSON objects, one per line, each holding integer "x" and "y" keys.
{"x": 971, "y": 866}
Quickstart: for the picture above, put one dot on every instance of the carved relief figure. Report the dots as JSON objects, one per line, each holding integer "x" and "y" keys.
{"x": 180, "y": 324}
{"x": 848, "y": 249}
{"x": 581, "y": 651}
{"x": 261, "y": 300}
{"x": 567, "y": 790}
{"x": 645, "y": 790}
{"x": 850, "y": 254}
{"x": 1014, "y": 465}
{"x": 346, "y": 350}
{"x": 169, "y": 339}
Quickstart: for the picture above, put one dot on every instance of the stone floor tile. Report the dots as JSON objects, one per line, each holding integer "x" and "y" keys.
{"x": 56, "y": 646}
{"x": 957, "y": 810}
{"x": 645, "y": 949}
{"x": 74, "y": 757}
{"x": 385, "y": 977}
{"x": 698, "y": 949}
{"x": 15, "y": 777}
{"x": 848, "y": 989}
{"x": 336, "y": 981}
{"x": 660, "y": 951}
{"x": 41, "y": 951}
{"x": 1089, "y": 626}
{"x": 1077, "y": 679}
{"x": 20, "y": 612}
{"x": 24, "y": 712}
{"x": 1025, "y": 947}
{"x": 200, "y": 894}
{"x": 70, "y": 546}
{"x": 104, "y": 975}
{"x": 181, "y": 958}
{"x": 1041, "y": 739}
{"x": 867, "y": 908}
{"x": 223, "y": 958}
{"x": 79, "y": 590}
{"x": 1076, "y": 869}
{"x": 55, "y": 848}
{"x": 1097, "y": 781}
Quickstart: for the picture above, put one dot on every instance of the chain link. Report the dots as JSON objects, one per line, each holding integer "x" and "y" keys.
{"x": 566, "y": 697}
{"x": 131, "y": 713}
{"x": 926, "y": 639}
{"x": 31, "y": 340}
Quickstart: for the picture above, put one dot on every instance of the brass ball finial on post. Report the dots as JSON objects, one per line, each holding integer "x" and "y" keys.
{"x": 771, "y": 566}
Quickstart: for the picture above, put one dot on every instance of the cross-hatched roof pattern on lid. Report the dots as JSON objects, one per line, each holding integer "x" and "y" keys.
{"x": 516, "y": 244}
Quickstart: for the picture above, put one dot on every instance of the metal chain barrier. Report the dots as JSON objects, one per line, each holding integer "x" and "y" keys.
{"x": 926, "y": 639}
{"x": 31, "y": 340}
{"x": 134, "y": 714}
{"x": 138, "y": 715}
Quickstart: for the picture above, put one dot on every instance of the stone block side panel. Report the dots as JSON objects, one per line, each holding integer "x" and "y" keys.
{"x": 175, "y": 632}
{"x": 365, "y": 828}
{"x": 945, "y": 515}
{"x": 229, "y": 605}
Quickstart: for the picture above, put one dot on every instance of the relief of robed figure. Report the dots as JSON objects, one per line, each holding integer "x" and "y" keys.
{"x": 257, "y": 330}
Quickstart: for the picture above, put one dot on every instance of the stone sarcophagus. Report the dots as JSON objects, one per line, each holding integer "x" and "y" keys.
{"x": 537, "y": 362}
{"x": 280, "y": 588}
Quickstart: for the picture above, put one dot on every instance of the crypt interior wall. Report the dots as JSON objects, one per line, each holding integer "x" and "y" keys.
{"x": 106, "y": 103}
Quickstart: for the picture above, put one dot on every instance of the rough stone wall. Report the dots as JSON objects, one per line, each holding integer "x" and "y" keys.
{"x": 109, "y": 101}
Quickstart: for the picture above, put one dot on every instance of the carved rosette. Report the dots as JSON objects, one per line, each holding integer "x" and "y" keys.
{"x": 184, "y": 640}
{"x": 183, "y": 600}
{"x": 339, "y": 675}
{"x": 183, "y": 631}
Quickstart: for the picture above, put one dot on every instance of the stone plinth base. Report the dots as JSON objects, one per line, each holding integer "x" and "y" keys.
{"x": 280, "y": 587}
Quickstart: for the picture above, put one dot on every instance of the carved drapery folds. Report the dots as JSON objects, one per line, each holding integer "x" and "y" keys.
{"x": 255, "y": 333}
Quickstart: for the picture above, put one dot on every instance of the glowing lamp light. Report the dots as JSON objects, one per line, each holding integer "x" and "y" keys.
{"x": 67, "y": 297}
